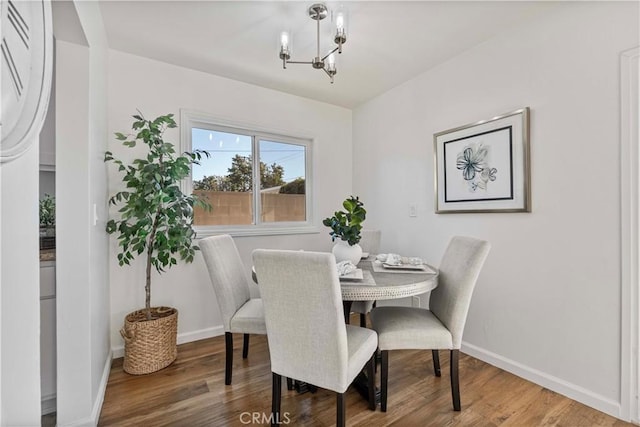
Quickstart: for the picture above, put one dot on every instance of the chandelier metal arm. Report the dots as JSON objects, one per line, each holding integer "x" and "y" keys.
{"x": 329, "y": 54}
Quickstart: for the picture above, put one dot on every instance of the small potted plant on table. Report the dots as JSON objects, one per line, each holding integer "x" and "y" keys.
{"x": 155, "y": 220}
{"x": 346, "y": 226}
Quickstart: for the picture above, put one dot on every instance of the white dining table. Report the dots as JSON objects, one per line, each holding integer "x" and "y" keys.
{"x": 380, "y": 283}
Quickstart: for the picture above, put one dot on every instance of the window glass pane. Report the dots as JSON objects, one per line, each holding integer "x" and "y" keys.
{"x": 224, "y": 179}
{"x": 282, "y": 182}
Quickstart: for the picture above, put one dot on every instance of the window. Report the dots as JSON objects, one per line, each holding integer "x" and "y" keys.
{"x": 257, "y": 182}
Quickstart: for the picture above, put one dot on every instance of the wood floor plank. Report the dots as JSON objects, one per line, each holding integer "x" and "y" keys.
{"x": 191, "y": 392}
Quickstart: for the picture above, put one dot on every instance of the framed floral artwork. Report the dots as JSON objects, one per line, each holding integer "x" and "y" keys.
{"x": 484, "y": 166}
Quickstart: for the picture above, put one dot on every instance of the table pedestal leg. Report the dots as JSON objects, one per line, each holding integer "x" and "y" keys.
{"x": 361, "y": 384}
{"x": 302, "y": 387}
{"x": 346, "y": 306}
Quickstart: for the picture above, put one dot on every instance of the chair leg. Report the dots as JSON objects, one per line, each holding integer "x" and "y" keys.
{"x": 245, "y": 346}
{"x": 455, "y": 382}
{"x": 275, "y": 399}
{"x": 228, "y": 339}
{"x": 384, "y": 379}
{"x": 289, "y": 384}
{"x": 340, "y": 410}
{"x": 436, "y": 362}
{"x": 371, "y": 373}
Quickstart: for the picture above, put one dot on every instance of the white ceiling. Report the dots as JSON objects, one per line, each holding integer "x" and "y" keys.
{"x": 389, "y": 42}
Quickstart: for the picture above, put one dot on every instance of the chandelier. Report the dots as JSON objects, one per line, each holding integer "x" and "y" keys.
{"x": 327, "y": 63}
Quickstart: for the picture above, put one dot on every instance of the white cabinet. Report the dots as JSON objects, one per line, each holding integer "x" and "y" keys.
{"x": 48, "y": 335}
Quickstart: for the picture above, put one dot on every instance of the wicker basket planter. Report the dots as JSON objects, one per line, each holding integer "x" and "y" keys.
{"x": 149, "y": 345}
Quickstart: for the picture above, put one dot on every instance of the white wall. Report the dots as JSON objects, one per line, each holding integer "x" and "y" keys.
{"x": 47, "y": 153}
{"x": 82, "y": 245}
{"x": 47, "y": 143}
{"x": 157, "y": 88}
{"x": 47, "y": 183}
{"x": 73, "y": 225}
{"x": 20, "y": 311}
{"x": 547, "y": 305}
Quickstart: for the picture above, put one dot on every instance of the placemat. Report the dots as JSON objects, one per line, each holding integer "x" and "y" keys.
{"x": 367, "y": 280}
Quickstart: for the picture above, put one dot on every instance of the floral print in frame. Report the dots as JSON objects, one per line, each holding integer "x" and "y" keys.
{"x": 484, "y": 166}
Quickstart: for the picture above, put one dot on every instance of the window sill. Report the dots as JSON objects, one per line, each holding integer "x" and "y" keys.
{"x": 239, "y": 231}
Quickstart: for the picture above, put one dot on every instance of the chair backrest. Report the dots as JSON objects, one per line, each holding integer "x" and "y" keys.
{"x": 227, "y": 274}
{"x": 304, "y": 316}
{"x": 459, "y": 270}
{"x": 370, "y": 240}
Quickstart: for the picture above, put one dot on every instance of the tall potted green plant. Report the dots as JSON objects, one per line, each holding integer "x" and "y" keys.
{"x": 156, "y": 220}
{"x": 345, "y": 227}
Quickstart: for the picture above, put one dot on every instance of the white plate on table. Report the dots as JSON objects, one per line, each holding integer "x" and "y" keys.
{"x": 354, "y": 275}
{"x": 403, "y": 266}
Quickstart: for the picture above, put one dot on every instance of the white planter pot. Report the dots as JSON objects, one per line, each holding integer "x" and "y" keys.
{"x": 344, "y": 252}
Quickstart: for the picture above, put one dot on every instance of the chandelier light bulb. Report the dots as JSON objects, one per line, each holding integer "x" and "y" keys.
{"x": 340, "y": 21}
{"x": 340, "y": 27}
{"x": 332, "y": 62}
{"x": 284, "y": 40}
{"x": 285, "y": 51}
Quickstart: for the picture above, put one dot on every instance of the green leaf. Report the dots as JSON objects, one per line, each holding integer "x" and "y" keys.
{"x": 346, "y": 225}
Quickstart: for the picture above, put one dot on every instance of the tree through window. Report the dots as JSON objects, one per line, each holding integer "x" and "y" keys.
{"x": 238, "y": 158}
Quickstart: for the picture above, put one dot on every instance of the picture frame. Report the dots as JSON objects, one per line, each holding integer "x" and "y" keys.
{"x": 484, "y": 166}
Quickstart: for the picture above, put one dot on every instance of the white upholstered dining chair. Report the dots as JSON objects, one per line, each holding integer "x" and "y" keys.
{"x": 370, "y": 242}
{"x": 306, "y": 330}
{"x": 240, "y": 313}
{"x": 440, "y": 327}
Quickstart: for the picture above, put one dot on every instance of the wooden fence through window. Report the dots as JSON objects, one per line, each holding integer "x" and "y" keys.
{"x": 235, "y": 208}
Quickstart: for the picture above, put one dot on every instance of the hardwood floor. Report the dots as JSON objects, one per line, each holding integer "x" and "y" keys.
{"x": 191, "y": 392}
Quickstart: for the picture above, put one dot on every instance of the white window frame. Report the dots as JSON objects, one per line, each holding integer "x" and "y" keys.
{"x": 190, "y": 119}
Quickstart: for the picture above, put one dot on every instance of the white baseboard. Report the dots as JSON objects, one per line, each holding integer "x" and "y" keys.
{"x": 183, "y": 338}
{"x": 200, "y": 335}
{"x": 558, "y": 385}
{"x": 92, "y": 420}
